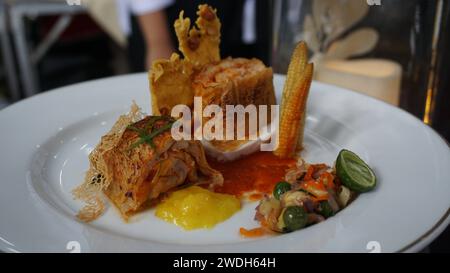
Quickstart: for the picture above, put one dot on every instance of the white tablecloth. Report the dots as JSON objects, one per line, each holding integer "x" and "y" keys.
{"x": 104, "y": 12}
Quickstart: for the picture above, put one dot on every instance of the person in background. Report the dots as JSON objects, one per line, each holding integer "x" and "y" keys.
{"x": 246, "y": 28}
{"x": 145, "y": 24}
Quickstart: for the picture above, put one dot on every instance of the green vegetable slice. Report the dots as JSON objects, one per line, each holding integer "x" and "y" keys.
{"x": 325, "y": 209}
{"x": 354, "y": 172}
{"x": 280, "y": 189}
{"x": 295, "y": 218}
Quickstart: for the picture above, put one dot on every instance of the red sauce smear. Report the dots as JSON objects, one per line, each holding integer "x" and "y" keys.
{"x": 258, "y": 172}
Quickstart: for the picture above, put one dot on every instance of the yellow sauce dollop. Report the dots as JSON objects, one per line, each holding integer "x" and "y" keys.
{"x": 195, "y": 207}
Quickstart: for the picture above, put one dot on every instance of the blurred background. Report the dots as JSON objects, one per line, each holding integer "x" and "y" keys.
{"x": 394, "y": 50}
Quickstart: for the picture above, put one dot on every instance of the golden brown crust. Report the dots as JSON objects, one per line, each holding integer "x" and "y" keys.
{"x": 236, "y": 81}
{"x": 171, "y": 84}
{"x": 134, "y": 176}
{"x": 97, "y": 178}
{"x": 171, "y": 80}
{"x": 131, "y": 167}
{"x": 199, "y": 44}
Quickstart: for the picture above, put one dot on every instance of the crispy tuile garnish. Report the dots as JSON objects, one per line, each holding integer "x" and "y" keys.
{"x": 200, "y": 44}
{"x": 171, "y": 80}
{"x": 171, "y": 84}
{"x": 97, "y": 178}
{"x": 293, "y": 105}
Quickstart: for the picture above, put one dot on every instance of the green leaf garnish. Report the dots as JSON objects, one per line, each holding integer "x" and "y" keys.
{"x": 147, "y": 138}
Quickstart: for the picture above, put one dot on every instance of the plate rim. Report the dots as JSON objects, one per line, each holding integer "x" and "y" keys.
{"x": 416, "y": 245}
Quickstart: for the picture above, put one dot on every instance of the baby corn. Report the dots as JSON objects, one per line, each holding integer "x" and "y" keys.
{"x": 295, "y": 96}
{"x": 298, "y": 63}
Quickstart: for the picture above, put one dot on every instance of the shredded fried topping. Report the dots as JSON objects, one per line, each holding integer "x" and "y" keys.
{"x": 98, "y": 178}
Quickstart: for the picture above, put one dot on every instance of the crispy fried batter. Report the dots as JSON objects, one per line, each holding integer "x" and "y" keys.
{"x": 97, "y": 178}
{"x": 171, "y": 84}
{"x": 171, "y": 80}
{"x": 200, "y": 44}
{"x": 141, "y": 174}
{"x": 235, "y": 81}
{"x": 135, "y": 176}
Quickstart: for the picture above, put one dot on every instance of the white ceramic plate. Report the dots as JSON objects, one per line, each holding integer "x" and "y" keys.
{"x": 45, "y": 142}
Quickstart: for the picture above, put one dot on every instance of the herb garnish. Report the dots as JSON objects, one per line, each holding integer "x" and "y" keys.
{"x": 147, "y": 134}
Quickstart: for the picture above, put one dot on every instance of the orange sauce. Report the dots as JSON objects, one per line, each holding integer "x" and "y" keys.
{"x": 258, "y": 172}
{"x": 252, "y": 233}
{"x": 255, "y": 197}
